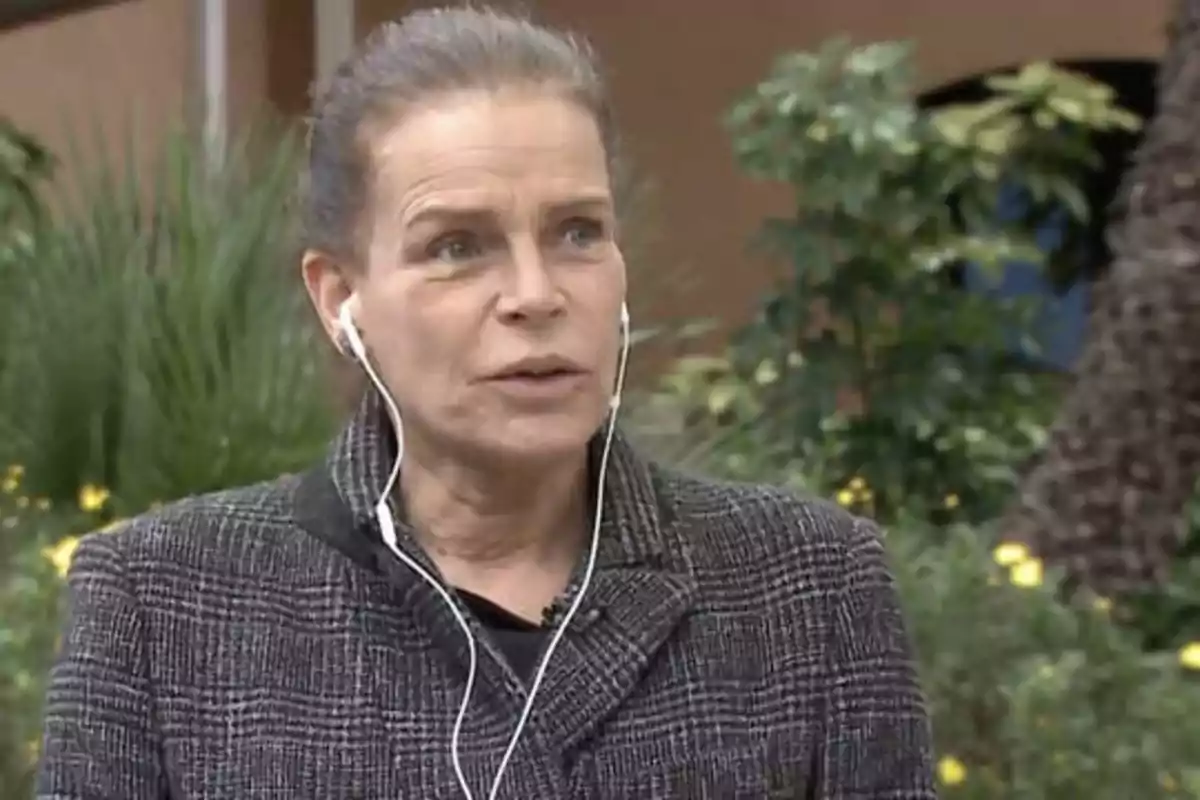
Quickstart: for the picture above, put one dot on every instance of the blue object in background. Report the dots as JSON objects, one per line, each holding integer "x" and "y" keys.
{"x": 1061, "y": 321}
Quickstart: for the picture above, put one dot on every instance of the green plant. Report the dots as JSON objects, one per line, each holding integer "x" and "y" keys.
{"x": 36, "y": 541}
{"x": 24, "y": 166}
{"x": 155, "y": 345}
{"x": 158, "y": 344}
{"x": 865, "y": 362}
{"x": 868, "y": 377}
{"x": 1168, "y": 614}
{"x": 1032, "y": 697}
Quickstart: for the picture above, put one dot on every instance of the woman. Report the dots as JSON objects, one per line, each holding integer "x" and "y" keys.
{"x": 525, "y": 609}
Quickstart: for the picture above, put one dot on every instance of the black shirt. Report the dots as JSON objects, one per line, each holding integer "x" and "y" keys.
{"x": 520, "y": 640}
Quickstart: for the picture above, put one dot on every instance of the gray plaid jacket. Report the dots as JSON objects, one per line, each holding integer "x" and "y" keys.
{"x": 737, "y": 642}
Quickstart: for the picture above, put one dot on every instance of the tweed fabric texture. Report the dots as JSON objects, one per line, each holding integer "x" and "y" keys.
{"x": 737, "y": 642}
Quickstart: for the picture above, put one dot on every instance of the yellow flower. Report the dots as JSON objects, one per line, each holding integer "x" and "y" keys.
{"x": 12, "y": 478}
{"x": 1027, "y": 574}
{"x": 1102, "y": 604}
{"x": 1189, "y": 655}
{"x": 951, "y": 771}
{"x": 951, "y": 502}
{"x": 60, "y": 554}
{"x": 854, "y": 492}
{"x": 1168, "y": 783}
{"x": 92, "y": 498}
{"x": 767, "y": 373}
{"x": 1010, "y": 553}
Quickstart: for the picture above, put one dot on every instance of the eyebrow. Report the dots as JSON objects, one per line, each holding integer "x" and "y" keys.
{"x": 463, "y": 212}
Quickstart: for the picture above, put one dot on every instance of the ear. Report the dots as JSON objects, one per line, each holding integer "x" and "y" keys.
{"x": 328, "y": 288}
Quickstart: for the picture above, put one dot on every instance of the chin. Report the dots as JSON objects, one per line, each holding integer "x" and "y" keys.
{"x": 536, "y": 439}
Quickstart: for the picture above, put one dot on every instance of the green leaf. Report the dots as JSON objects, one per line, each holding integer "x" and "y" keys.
{"x": 161, "y": 345}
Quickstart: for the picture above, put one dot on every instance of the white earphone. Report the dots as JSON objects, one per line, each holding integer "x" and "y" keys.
{"x": 348, "y": 330}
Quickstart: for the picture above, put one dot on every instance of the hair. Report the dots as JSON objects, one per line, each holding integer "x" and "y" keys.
{"x": 416, "y": 59}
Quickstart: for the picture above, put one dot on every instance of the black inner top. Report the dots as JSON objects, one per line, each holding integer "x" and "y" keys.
{"x": 516, "y": 637}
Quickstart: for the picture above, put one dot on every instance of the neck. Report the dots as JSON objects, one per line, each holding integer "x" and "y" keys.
{"x": 471, "y": 518}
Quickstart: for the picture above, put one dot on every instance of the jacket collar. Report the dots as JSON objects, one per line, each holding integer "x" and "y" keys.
{"x": 336, "y": 501}
{"x": 644, "y": 583}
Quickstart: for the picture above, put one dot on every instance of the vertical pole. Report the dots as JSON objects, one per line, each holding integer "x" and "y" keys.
{"x": 214, "y": 50}
{"x": 334, "y": 34}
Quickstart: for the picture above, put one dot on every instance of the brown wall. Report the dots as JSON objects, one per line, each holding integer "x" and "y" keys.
{"x": 675, "y": 67}
{"x": 135, "y": 65}
{"x": 111, "y": 68}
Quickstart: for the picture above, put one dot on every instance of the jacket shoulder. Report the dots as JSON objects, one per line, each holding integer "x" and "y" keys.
{"x": 765, "y": 526}
{"x": 225, "y": 531}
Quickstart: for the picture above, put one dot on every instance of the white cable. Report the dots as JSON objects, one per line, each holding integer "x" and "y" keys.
{"x": 614, "y": 405}
{"x": 387, "y": 528}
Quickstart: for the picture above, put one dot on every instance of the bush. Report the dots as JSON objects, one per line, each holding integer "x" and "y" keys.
{"x": 36, "y": 542}
{"x": 1168, "y": 615}
{"x": 865, "y": 360}
{"x": 154, "y": 345}
{"x": 1035, "y": 698}
{"x": 159, "y": 343}
{"x": 867, "y": 377}
{"x": 24, "y": 166}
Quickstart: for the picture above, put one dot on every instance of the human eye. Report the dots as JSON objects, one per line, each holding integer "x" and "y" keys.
{"x": 583, "y": 232}
{"x": 454, "y": 247}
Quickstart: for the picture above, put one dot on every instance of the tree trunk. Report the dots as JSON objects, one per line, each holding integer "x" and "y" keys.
{"x": 1106, "y": 500}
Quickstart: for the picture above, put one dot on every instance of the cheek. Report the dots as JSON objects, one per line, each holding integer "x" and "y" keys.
{"x": 405, "y": 347}
{"x": 424, "y": 350}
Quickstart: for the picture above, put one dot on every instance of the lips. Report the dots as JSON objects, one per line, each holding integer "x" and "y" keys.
{"x": 533, "y": 375}
{"x": 540, "y": 382}
{"x": 537, "y": 369}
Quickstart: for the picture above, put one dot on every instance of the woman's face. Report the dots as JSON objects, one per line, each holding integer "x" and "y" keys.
{"x": 492, "y": 289}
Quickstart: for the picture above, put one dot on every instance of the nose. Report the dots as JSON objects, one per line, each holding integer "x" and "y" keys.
{"x": 530, "y": 294}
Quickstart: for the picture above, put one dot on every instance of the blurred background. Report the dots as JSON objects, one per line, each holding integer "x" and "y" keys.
{"x": 900, "y": 255}
{"x": 151, "y": 65}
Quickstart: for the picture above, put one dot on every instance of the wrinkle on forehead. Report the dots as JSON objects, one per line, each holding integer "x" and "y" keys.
{"x": 489, "y": 194}
{"x": 485, "y": 138}
{"x": 495, "y": 117}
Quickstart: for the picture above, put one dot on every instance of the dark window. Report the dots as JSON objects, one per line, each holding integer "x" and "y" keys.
{"x": 1060, "y": 319}
{"x": 1077, "y": 253}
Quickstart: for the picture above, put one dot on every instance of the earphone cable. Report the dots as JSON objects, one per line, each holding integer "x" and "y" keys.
{"x": 387, "y": 528}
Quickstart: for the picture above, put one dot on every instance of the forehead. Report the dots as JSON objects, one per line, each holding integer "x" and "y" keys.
{"x": 477, "y": 140}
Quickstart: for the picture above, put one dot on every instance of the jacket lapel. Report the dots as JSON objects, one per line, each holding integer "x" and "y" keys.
{"x": 642, "y": 587}
{"x": 357, "y": 468}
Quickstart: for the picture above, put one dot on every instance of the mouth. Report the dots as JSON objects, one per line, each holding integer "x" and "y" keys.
{"x": 556, "y": 373}
{"x": 540, "y": 379}
{"x": 540, "y": 369}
